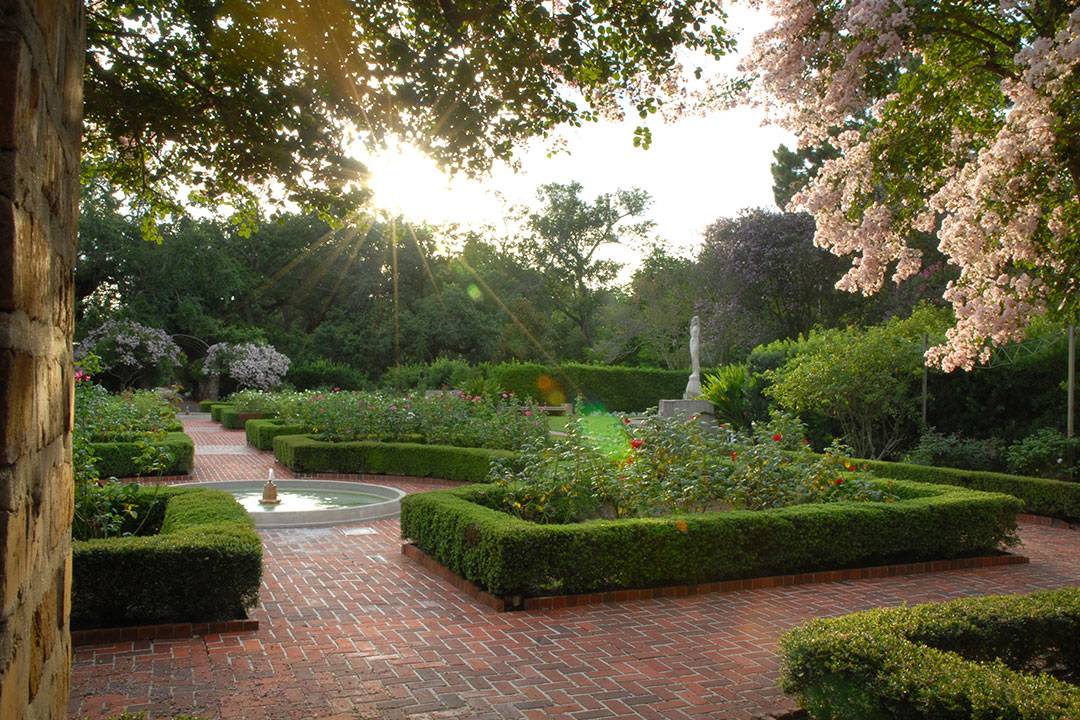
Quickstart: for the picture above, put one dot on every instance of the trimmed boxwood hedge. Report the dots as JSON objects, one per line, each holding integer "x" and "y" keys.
{"x": 509, "y": 556}
{"x": 302, "y": 453}
{"x": 233, "y": 419}
{"x": 261, "y": 433}
{"x": 963, "y": 660}
{"x": 1041, "y": 496}
{"x": 616, "y": 388}
{"x": 205, "y": 405}
{"x": 204, "y": 563}
{"x": 116, "y": 458}
{"x": 217, "y": 408}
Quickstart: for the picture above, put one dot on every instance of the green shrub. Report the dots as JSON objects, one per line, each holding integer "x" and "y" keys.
{"x": 954, "y": 451}
{"x": 321, "y": 374}
{"x": 509, "y": 556}
{"x": 232, "y": 418}
{"x": 204, "y": 564}
{"x": 614, "y": 388}
{"x": 1045, "y": 453}
{"x": 205, "y": 405}
{"x": 735, "y": 393}
{"x": 1041, "y": 496}
{"x": 216, "y": 409}
{"x": 120, "y": 458}
{"x": 261, "y": 432}
{"x": 302, "y": 453}
{"x": 970, "y": 659}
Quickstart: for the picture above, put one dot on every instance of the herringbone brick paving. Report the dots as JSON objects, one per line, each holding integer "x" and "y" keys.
{"x": 351, "y": 629}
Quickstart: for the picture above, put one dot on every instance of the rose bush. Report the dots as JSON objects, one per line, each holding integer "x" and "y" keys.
{"x": 670, "y": 465}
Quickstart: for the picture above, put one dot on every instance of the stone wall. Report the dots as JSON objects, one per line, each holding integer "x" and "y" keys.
{"x": 41, "y": 64}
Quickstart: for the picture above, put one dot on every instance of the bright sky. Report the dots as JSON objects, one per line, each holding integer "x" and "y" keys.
{"x": 697, "y": 170}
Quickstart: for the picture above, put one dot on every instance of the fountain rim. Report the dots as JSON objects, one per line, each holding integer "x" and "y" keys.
{"x": 388, "y": 508}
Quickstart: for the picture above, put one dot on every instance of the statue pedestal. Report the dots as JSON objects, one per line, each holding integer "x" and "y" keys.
{"x": 703, "y": 409}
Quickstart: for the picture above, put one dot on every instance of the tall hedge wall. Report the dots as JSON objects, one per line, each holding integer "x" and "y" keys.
{"x": 509, "y": 556}
{"x": 203, "y": 564}
{"x": 615, "y": 388}
{"x": 302, "y": 453}
{"x": 941, "y": 661}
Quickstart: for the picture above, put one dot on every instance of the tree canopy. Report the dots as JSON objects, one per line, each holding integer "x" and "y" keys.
{"x": 954, "y": 119}
{"x": 242, "y": 102}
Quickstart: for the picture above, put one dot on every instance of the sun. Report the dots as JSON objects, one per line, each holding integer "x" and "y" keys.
{"x": 406, "y": 182}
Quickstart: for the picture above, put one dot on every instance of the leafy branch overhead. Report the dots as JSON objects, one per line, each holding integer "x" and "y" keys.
{"x": 224, "y": 102}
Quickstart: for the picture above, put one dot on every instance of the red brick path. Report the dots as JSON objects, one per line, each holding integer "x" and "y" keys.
{"x": 351, "y": 629}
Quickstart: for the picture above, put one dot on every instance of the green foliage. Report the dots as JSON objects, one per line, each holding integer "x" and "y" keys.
{"x": 508, "y": 556}
{"x": 1046, "y": 453}
{"x": 302, "y": 453}
{"x": 735, "y": 393}
{"x": 204, "y": 563}
{"x": 248, "y": 105}
{"x": 102, "y": 416}
{"x": 611, "y": 388}
{"x": 661, "y": 466}
{"x": 169, "y": 454}
{"x": 217, "y": 408}
{"x": 1041, "y": 496}
{"x": 954, "y": 451}
{"x": 110, "y": 509}
{"x": 321, "y": 374}
{"x": 260, "y": 433}
{"x": 988, "y": 657}
{"x": 232, "y": 418}
{"x": 862, "y": 379}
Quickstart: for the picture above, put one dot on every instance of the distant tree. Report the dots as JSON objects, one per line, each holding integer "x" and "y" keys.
{"x": 563, "y": 239}
{"x": 793, "y": 169}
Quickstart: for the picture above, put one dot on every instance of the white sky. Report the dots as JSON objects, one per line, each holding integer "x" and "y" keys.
{"x": 698, "y": 169}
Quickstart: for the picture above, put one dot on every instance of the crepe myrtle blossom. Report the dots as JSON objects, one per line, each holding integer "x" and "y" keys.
{"x": 954, "y": 121}
{"x": 127, "y": 349}
{"x": 250, "y": 365}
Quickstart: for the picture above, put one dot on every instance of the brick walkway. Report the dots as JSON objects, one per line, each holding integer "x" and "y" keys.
{"x": 350, "y": 629}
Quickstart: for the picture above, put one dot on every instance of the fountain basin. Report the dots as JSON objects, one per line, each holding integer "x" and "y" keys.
{"x": 312, "y": 503}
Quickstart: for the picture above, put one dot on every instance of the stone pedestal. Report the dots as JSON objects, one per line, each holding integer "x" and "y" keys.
{"x": 703, "y": 409}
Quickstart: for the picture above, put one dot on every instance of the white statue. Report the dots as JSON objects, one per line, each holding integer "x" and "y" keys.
{"x": 693, "y": 386}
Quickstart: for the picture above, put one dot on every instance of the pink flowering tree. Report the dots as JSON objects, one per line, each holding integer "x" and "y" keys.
{"x": 129, "y": 351}
{"x": 954, "y": 120}
{"x": 250, "y": 365}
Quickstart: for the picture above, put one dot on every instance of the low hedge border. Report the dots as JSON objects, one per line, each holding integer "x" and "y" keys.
{"x": 615, "y": 388}
{"x": 204, "y": 564}
{"x": 940, "y": 661}
{"x": 205, "y": 405}
{"x": 260, "y": 433}
{"x": 508, "y": 556}
{"x": 233, "y": 419}
{"x": 302, "y": 453}
{"x": 117, "y": 458}
{"x": 1042, "y": 496}
{"x": 217, "y": 408}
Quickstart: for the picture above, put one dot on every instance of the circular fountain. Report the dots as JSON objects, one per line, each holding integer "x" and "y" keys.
{"x": 310, "y": 503}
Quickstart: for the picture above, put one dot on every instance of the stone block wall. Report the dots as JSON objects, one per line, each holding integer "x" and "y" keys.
{"x": 41, "y": 66}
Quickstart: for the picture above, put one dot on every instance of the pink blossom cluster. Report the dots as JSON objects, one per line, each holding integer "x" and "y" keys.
{"x": 1002, "y": 198}
{"x": 249, "y": 364}
{"x": 129, "y": 344}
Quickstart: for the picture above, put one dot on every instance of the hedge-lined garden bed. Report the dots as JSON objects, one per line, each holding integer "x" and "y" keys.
{"x": 233, "y": 418}
{"x": 962, "y": 660}
{"x": 260, "y": 433}
{"x": 302, "y": 453}
{"x": 508, "y": 556}
{"x": 195, "y": 557}
{"x": 1041, "y": 496}
{"x": 217, "y": 408}
{"x": 119, "y": 458}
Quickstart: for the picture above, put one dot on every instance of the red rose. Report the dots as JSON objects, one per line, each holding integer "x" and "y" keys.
{"x": 626, "y": 421}
{"x": 636, "y": 443}
{"x": 734, "y": 456}
{"x": 838, "y": 481}
{"x": 777, "y": 437}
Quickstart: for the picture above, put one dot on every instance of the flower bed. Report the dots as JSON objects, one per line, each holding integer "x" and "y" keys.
{"x": 260, "y": 433}
{"x": 302, "y": 453}
{"x": 974, "y": 658}
{"x": 194, "y": 556}
{"x": 1042, "y": 496}
{"x": 509, "y": 556}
